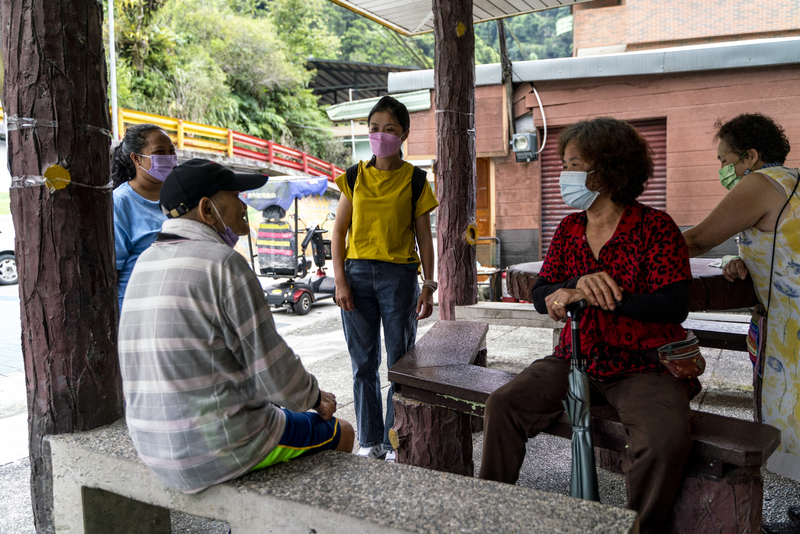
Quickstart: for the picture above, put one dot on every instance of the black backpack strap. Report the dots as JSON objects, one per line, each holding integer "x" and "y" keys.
{"x": 351, "y": 174}
{"x": 419, "y": 179}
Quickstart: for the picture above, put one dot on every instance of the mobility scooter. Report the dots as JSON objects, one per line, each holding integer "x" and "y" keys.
{"x": 277, "y": 253}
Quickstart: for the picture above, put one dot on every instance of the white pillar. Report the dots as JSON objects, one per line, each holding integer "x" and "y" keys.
{"x": 112, "y": 67}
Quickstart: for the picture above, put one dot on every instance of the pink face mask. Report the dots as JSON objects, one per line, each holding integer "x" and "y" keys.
{"x": 160, "y": 166}
{"x": 384, "y": 145}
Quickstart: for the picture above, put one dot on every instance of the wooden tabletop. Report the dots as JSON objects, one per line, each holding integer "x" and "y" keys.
{"x": 709, "y": 290}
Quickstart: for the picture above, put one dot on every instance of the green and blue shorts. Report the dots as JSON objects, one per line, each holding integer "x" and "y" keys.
{"x": 305, "y": 433}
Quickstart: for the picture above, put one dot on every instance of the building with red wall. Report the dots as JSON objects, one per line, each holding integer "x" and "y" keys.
{"x": 631, "y": 25}
{"x": 673, "y": 95}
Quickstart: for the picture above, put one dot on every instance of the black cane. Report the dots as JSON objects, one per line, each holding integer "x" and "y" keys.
{"x": 573, "y": 312}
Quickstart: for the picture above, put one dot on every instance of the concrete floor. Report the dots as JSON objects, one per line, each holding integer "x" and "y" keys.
{"x": 318, "y": 340}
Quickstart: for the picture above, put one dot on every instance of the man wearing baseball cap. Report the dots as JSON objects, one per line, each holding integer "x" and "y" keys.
{"x": 212, "y": 391}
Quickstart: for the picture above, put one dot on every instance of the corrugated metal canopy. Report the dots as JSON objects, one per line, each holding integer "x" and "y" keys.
{"x": 359, "y": 109}
{"x": 413, "y": 17}
{"x": 334, "y": 79}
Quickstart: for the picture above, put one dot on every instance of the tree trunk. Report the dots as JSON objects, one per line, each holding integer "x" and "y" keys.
{"x": 433, "y": 437}
{"x": 56, "y": 76}
{"x": 454, "y": 76}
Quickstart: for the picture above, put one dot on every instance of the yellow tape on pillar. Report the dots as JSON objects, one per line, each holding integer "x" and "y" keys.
{"x": 472, "y": 234}
{"x": 57, "y": 177}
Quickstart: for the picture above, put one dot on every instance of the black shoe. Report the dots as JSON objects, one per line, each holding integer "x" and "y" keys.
{"x": 794, "y": 513}
{"x": 792, "y": 527}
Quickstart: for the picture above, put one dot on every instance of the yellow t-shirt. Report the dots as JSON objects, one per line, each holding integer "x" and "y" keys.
{"x": 380, "y": 227}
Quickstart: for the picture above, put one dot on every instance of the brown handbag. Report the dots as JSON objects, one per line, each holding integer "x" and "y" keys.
{"x": 682, "y": 358}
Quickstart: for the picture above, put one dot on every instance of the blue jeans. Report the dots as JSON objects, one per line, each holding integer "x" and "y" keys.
{"x": 385, "y": 293}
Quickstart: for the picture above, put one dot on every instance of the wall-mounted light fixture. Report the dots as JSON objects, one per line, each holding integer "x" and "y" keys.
{"x": 524, "y": 146}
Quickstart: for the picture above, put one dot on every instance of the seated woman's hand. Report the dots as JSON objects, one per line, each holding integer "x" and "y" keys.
{"x": 601, "y": 290}
{"x": 735, "y": 270}
{"x": 557, "y": 302}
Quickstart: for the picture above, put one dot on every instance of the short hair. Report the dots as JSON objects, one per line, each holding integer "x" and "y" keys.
{"x": 621, "y": 156}
{"x": 754, "y": 130}
{"x": 274, "y": 212}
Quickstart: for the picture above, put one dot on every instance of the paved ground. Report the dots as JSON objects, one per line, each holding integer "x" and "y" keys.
{"x": 319, "y": 341}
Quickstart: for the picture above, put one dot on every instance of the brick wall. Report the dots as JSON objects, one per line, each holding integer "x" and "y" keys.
{"x": 647, "y": 24}
{"x": 490, "y": 140}
{"x": 690, "y": 102}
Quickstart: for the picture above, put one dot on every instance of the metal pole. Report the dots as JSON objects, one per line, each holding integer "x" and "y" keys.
{"x": 352, "y": 131}
{"x": 112, "y": 58}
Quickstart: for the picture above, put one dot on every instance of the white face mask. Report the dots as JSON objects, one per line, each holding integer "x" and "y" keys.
{"x": 574, "y": 190}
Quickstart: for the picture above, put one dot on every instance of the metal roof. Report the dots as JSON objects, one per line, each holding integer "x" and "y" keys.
{"x": 334, "y": 78}
{"x": 730, "y": 55}
{"x": 359, "y": 109}
{"x": 413, "y": 17}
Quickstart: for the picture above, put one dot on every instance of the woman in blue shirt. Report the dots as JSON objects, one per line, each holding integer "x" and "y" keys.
{"x": 140, "y": 163}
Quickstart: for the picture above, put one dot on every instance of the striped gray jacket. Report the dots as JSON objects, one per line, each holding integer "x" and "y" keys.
{"x": 203, "y": 368}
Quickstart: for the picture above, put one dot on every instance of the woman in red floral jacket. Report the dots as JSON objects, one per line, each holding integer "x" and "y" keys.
{"x": 630, "y": 262}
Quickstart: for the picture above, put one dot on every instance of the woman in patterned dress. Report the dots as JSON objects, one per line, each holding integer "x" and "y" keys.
{"x": 764, "y": 197}
{"x": 630, "y": 263}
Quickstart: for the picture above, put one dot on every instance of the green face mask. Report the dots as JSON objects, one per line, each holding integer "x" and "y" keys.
{"x": 727, "y": 174}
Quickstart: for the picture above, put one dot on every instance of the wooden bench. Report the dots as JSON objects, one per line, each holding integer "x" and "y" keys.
{"x": 101, "y": 487}
{"x": 719, "y": 331}
{"x": 441, "y": 383}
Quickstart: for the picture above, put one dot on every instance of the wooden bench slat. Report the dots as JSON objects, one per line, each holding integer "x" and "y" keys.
{"x": 447, "y": 343}
{"x": 719, "y": 335}
{"x": 463, "y": 381}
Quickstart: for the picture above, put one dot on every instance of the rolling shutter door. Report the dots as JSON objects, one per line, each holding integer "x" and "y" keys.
{"x": 553, "y": 207}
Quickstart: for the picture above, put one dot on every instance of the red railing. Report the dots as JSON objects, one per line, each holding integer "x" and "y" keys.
{"x": 231, "y": 143}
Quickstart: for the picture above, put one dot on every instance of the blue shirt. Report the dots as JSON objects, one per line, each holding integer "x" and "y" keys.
{"x": 136, "y": 223}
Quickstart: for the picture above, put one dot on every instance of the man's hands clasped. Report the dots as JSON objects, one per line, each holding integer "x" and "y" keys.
{"x": 327, "y": 405}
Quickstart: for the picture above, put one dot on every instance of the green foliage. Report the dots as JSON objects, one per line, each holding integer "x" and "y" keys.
{"x": 302, "y": 27}
{"x": 241, "y": 63}
{"x": 528, "y": 37}
{"x": 226, "y": 63}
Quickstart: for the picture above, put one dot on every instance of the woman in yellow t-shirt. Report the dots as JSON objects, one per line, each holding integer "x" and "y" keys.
{"x": 376, "y": 265}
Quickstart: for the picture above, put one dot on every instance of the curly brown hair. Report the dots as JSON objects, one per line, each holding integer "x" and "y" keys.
{"x": 622, "y": 158}
{"x": 754, "y": 130}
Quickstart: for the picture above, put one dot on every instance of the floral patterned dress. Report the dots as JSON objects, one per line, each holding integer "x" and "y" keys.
{"x": 780, "y": 395}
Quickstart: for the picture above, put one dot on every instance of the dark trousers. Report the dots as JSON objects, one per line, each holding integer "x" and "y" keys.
{"x": 653, "y": 408}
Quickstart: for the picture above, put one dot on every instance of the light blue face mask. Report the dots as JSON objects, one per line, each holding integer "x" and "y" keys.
{"x": 574, "y": 190}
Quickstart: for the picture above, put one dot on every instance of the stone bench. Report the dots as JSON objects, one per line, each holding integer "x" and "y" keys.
{"x": 440, "y": 387}
{"x": 101, "y": 487}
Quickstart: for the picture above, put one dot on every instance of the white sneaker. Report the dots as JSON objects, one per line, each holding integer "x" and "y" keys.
{"x": 375, "y": 452}
{"x": 391, "y": 456}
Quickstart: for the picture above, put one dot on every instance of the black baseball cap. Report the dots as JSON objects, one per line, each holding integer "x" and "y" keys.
{"x": 190, "y": 182}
